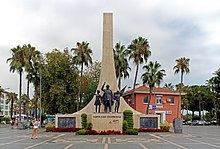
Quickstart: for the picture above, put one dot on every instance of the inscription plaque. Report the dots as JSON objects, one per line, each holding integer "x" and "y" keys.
{"x": 66, "y": 122}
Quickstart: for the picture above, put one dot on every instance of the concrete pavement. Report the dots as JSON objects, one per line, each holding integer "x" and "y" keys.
{"x": 194, "y": 137}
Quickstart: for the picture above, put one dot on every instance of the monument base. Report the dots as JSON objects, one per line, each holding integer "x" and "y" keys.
{"x": 107, "y": 121}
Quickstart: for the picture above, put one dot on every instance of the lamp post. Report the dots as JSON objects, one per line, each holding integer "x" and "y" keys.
{"x": 40, "y": 96}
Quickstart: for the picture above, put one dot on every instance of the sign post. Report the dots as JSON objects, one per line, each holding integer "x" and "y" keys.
{"x": 154, "y": 108}
{"x": 178, "y": 125}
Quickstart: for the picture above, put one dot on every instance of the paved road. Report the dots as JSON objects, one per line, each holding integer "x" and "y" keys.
{"x": 194, "y": 137}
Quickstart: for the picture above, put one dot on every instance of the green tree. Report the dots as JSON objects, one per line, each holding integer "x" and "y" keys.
{"x": 214, "y": 83}
{"x": 182, "y": 66}
{"x": 1, "y": 92}
{"x": 17, "y": 63}
{"x": 91, "y": 75}
{"x": 169, "y": 86}
{"x": 121, "y": 62}
{"x": 153, "y": 76}
{"x": 59, "y": 83}
{"x": 11, "y": 98}
{"x": 139, "y": 50}
{"x": 81, "y": 56}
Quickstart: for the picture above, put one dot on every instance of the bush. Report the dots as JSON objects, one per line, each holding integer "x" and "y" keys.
{"x": 165, "y": 127}
{"x": 110, "y": 132}
{"x": 7, "y": 119}
{"x": 133, "y": 131}
{"x": 84, "y": 120}
{"x": 81, "y": 132}
{"x": 62, "y": 129}
{"x": 196, "y": 117}
{"x": 49, "y": 126}
{"x": 125, "y": 125}
{"x": 128, "y": 116}
{"x": 89, "y": 126}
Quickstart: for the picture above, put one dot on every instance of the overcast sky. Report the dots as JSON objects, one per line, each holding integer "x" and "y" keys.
{"x": 174, "y": 28}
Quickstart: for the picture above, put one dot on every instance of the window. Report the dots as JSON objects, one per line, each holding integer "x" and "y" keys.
{"x": 146, "y": 99}
{"x": 171, "y": 100}
{"x": 6, "y": 107}
{"x": 159, "y": 99}
{"x": 6, "y": 113}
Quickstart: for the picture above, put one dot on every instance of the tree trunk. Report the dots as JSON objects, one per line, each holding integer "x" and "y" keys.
{"x": 179, "y": 101}
{"x": 149, "y": 100}
{"x": 80, "y": 88}
{"x": 12, "y": 102}
{"x": 200, "y": 109}
{"x": 20, "y": 88}
{"x": 27, "y": 103}
{"x": 135, "y": 79}
{"x": 36, "y": 98}
{"x": 119, "y": 79}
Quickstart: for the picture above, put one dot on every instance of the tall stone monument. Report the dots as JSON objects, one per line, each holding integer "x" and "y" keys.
{"x": 103, "y": 121}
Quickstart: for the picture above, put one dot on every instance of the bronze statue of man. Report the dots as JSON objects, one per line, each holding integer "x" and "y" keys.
{"x": 108, "y": 98}
{"x": 117, "y": 96}
{"x": 97, "y": 102}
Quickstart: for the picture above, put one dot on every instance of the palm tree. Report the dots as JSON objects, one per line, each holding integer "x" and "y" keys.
{"x": 81, "y": 56}
{"x": 153, "y": 76}
{"x": 17, "y": 63}
{"x": 139, "y": 50}
{"x": 35, "y": 78}
{"x": 169, "y": 86}
{"x": 121, "y": 62}
{"x": 11, "y": 98}
{"x": 182, "y": 66}
{"x": 32, "y": 56}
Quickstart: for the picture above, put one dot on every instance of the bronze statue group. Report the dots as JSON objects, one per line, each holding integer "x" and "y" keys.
{"x": 108, "y": 99}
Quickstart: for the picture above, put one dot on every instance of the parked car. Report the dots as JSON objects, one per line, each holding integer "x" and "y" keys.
{"x": 207, "y": 123}
{"x": 195, "y": 122}
{"x": 213, "y": 122}
{"x": 201, "y": 122}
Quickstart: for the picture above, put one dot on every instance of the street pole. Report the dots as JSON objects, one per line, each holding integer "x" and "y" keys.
{"x": 40, "y": 96}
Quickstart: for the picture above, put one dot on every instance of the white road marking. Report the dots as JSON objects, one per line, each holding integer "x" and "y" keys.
{"x": 5, "y": 138}
{"x": 103, "y": 140}
{"x": 168, "y": 141}
{"x": 68, "y": 146}
{"x": 44, "y": 141}
{"x": 144, "y": 147}
{"x": 12, "y": 142}
{"x": 109, "y": 140}
{"x": 203, "y": 143}
{"x": 106, "y": 146}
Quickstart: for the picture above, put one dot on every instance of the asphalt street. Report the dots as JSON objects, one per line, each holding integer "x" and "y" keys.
{"x": 193, "y": 137}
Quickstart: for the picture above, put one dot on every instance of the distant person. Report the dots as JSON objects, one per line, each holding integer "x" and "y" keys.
{"x": 16, "y": 122}
{"x": 97, "y": 101}
{"x": 35, "y": 129}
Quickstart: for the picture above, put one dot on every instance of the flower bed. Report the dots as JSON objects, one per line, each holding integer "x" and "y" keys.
{"x": 62, "y": 129}
{"x": 152, "y": 130}
{"x": 94, "y": 132}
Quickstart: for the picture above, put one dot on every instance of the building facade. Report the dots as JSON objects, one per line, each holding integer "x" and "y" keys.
{"x": 164, "y": 102}
{"x": 5, "y": 107}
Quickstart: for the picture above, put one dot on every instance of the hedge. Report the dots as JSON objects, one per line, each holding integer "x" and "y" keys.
{"x": 62, "y": 129}
{"x": 128, "y": 116}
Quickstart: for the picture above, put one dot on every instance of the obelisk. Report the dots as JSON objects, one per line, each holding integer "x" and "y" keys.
{"x": 108, "y": 74}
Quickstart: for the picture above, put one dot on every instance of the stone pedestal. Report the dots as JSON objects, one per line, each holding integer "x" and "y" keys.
{"x": 107, "y": 121}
